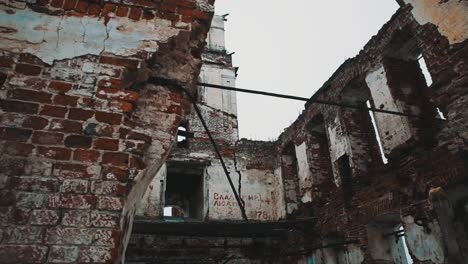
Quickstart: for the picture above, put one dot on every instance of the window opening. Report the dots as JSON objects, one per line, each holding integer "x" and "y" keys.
{"x": 168, "y": 211}
{"x": 321, "y": 164}
{"x": 441, "y": 114}
{"x": 184, "y": 192}
{"x": 359, "y": 123}
{"x": 344, "y": 169}
{"x": 425, "y": 70}
{"x": 182, "y": 136}
{"x": 289, "y": 171}
{"x": 377, "y": 134}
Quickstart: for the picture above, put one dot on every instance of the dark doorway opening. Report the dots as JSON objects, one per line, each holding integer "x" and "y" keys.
{"x": 184, "y": 191}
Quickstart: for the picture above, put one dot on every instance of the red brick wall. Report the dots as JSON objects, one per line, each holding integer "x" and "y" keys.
{"x": 82, "y": 137}
{"x": 435, "y": 159}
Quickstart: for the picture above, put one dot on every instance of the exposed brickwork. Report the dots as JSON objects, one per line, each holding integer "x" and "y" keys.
{"x": 67, "y": 180}
{"x": 433, "y": 159}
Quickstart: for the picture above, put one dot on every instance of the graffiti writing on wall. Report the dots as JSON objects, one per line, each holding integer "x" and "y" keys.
{"x": 258, "y": 206}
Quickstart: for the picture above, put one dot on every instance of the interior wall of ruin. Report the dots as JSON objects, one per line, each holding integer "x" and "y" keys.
{"x": 426, "y": 155}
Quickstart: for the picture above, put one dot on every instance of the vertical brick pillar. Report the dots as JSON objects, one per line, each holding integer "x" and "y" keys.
{"x": 80, "y": 131}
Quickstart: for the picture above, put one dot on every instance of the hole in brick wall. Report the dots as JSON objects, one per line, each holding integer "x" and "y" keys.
{"x": 404, "y": 47}
{"x": 377, "y": 135}
{"x": 289, "y": 171}
{"x": 344, "y": 170}
{"x": 360, "y": 124}
{"x": 182, "y": 136}
{"x": 428, "y": 77}
{"x": 425, "y": 70}
{"x": 440, "y": 114}
{"x": 184, "y": 191}
{"x": 320, "y": 160}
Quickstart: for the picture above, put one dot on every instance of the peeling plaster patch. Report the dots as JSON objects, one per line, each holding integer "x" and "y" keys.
{"x": 394, "y": 130}
{"x": 424, "y": 245}
{"x": 56, "y": 38}
{"x": 305, "y": 177}
{"x": 451, "y": 17}
{"x": 339, "y": 143}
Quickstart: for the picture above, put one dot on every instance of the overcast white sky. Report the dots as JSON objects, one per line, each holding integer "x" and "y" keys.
{"x": 292, "y": 47}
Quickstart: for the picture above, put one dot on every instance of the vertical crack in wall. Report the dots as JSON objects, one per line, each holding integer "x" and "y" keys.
{"x": 239, "y": 188}
{"x": 59, "y": 28}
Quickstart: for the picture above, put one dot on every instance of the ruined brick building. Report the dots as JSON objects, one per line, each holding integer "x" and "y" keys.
{"x": 105, "y": 160}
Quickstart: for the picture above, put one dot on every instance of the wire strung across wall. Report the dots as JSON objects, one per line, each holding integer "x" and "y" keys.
{"x": 309, "y": 100}
{"x": 316, "y": 101}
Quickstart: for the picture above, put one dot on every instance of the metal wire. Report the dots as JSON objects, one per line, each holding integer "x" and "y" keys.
{"x": 316, "y": 101}
{"x": 215, "y": 146}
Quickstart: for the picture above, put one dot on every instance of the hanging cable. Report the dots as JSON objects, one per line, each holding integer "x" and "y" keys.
{"x": 215, "y": 146}
{"x": 315, "y": 101}
{"x": 205, "y": 126}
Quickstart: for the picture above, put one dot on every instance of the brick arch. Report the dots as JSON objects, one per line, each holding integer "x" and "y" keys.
{"x": 82, "y": 136}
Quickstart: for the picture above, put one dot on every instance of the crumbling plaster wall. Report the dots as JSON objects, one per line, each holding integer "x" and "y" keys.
{"x": 304, "y": 173}
{"x": 82, "y": 132}
{"x": 394, "y": 130}
{"x": 257, "y": 189}
{"x": 449, "y": 17}
{"x": 53, "y": 38}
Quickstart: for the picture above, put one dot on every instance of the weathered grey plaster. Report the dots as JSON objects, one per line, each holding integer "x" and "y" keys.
{"x": 422, "y": 244}
{"x": 223, "y": 100}
{"x": 63, "y": 37}
{"x": 394, "y": 130}
{"x": 304, "y": 173}
{"x": 450, "y": 17}
{"x": 153, "y": 202}
{"x": 258, "y": 190}
{"x": 339, "y": 145}
{"x": 215, "y": 40}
